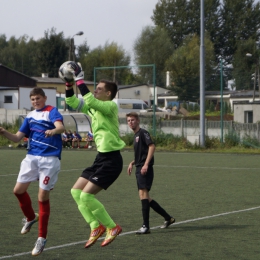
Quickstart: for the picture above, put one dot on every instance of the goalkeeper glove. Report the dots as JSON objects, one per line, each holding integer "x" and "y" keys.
{"x": 77, "y": 71}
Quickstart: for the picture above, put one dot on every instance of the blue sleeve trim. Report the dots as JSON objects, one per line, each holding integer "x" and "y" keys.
{"x": 81, "y": 104}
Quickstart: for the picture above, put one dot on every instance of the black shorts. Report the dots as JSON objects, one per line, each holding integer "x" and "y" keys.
{"x": 144, "y": 181}
{"x": 105, "y": 169}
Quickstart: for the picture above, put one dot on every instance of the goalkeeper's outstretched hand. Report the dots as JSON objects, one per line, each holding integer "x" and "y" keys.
{"x": 77, "y": 70}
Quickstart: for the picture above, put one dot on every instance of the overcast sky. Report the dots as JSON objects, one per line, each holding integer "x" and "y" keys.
{"x": 119, "y": 21}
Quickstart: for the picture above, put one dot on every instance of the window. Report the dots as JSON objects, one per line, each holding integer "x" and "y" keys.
{"x": 248, "y": 116}
{"x": 137, "y": 106}
{"x": 8, "y": 99}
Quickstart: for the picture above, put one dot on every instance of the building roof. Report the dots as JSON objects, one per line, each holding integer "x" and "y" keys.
{"x": 17, "y": 88}
{"x": 131, "y": 86}
{"x": 15, "y": 71}
{"x": 55, "y": 80}
{"x": 167, "y": 94}
{"x": 246, "y": 102}
{"x": 13, "y": 78}
{"x": 233, "y": 93}
{"x": 8, "y": 88}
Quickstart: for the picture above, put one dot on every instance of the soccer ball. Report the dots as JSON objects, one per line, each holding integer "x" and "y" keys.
{"x": 65, "y": 72}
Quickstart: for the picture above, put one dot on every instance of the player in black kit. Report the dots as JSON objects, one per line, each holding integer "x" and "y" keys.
{"x": 144, "y": 159}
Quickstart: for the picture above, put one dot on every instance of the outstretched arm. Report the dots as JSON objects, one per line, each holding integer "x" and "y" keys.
{"x": 12, "y": 137}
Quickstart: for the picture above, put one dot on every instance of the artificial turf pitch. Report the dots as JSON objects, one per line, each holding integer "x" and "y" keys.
{"x": 215, "y": 199}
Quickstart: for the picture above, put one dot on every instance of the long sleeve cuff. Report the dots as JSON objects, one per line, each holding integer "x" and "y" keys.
{"x": 69, "y": 92}
{"x": 83, "y": 89}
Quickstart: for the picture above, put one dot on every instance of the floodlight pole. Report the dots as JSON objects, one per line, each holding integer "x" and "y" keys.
{"x": 202, "y": 76}
{"x": 221, "y": 91}
{"x": 137, "y": 66}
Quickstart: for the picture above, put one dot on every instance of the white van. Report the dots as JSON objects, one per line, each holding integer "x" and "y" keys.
{"x": 127, "y": 105}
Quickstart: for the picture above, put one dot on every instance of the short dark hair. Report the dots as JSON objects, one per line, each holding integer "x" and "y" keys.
{"x": 110, "y": 86}
{"x": 37, "y": 91}
{"x": 133, "y": 114}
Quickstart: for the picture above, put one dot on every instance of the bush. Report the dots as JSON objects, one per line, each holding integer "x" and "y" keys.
{"x": 249, "y": 142}
{"x": 172, "y": 142}
{"x": 212, "y": 142}
{"x": 168, "y": 141}
{"x": 128, "y": 139}
{"x": 232, "y": 139}
{"x": 212, "y": 107}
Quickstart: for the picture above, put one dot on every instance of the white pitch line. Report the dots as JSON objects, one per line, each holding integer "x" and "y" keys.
{"x": 132, "y": 232}
{"x": 204, "y": 167}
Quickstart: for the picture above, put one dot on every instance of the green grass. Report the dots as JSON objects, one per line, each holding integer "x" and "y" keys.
{"x": 196, "y": 188}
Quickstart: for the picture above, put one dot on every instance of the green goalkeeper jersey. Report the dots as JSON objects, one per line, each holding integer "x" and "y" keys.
{"x": 105, "y": 125}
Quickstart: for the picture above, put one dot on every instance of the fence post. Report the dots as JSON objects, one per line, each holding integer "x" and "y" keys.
{"x": 257, "y": 127}
{"x": 206, "y": 127}
{"x": 182, "y": 127}
{"x": 232, "y": 125}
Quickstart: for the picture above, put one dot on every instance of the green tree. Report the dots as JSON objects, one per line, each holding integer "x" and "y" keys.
{"x": 190, "y": 107}
{"x": 82, "y": 51}
{"x": 181, "y": 18}
{"x": 9, "y": 54}
{"x": 184, "y": 68}
{"x": 30, "y": 65}
{"x": 27, "y": 63}
{"x": 240, "y": 21}
{"x": 91, "y": 60}
{"x": 3, "y": 42}
{"x": 196, "y": 107}
{"x": 110, "y": 55}
{"x": 51, "y": 53}
{"x": 212, "y": 20}
{"x": 211, "y": 107}
{"x": 172, "y": 16}
{"x": 207, "y": 105}
{"x": 17, "y": 54}
{"x": 153, "y": 46}
{"x": 245, "y": 66}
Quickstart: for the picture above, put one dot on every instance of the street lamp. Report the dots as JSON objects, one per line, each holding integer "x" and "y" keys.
{"x": 72, "y": 51}
{"x": 72, "y": 46}
{"x": 255, "y": 76}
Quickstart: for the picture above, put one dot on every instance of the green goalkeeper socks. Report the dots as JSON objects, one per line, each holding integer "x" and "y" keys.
{"x": 84, "y": 210}
{"x": 76, "y": 195}
{"x": 97, "y": 209}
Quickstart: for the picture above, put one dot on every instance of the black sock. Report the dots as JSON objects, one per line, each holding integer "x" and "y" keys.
{"x": 146, "y": 212}
{"x": 157, "y": 208}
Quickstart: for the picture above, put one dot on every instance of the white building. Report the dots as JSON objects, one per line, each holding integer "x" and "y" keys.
{"x": 19, "y": 97}
{"x": 15, "y": 101}
{"x": 143, "y": 92}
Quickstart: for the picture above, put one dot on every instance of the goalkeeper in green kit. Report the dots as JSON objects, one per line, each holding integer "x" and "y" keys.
{"x": 108, "y": 163}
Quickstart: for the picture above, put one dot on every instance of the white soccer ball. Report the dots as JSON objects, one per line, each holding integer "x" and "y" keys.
{"x": 66, "y": 72}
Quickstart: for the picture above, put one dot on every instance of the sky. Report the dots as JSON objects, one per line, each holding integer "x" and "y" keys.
{"x": 119, "y": 21}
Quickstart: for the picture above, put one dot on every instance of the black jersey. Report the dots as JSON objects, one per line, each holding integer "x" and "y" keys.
{"x": 142, "y": 140}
